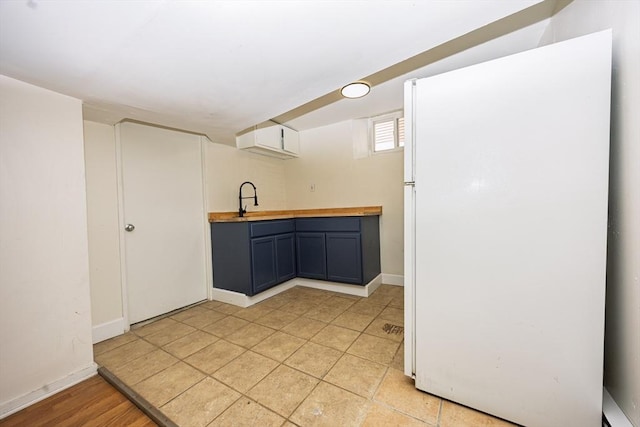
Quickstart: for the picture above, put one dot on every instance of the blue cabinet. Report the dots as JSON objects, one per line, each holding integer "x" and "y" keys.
{"x": 343, "y": 249}
{"x": 272, "y": 261}
{"x": 231, "y": 256}
{"x": 250, "y": 257}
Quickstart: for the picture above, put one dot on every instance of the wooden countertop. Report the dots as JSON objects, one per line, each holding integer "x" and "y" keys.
{"x": 296, "y": 213}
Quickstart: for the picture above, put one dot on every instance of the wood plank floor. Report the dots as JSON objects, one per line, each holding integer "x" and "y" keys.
{"x": 93, "y": 402}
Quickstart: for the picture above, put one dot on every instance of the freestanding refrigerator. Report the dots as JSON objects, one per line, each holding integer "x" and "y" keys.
{"x": 506, "y": 185}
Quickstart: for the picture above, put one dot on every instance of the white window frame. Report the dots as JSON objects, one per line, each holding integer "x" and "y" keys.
{"x": 385, "y": 118}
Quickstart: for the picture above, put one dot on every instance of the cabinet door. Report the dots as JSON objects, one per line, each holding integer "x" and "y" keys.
{"x": 285, "y": 257}
{"x": 290, "y": 140}
{"x": 344, "y": 257}
{"x": 263, "y": 263}
{"x": 312, "y": 261}
{"x": 270, "y": 137}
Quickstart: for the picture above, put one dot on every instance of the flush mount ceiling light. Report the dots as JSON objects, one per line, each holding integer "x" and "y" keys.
{"x": 355, "y": 90}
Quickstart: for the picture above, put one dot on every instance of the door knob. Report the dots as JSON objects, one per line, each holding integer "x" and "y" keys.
{"x": 129, "y": 227}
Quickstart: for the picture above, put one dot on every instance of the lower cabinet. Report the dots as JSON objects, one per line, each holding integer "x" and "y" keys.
{"x": 338, "y": 249}
{"x": 250, "y": 257}
{"x": 272, "y": 261}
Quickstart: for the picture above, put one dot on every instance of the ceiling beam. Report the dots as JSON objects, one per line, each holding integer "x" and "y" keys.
{"x": 521, "y": 19}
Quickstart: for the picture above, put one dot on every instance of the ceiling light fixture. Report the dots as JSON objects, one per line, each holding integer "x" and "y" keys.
{"x": 355, "y": 90}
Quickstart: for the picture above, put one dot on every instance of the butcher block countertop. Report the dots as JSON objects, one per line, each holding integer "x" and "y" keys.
{"x": 295, "y": 213}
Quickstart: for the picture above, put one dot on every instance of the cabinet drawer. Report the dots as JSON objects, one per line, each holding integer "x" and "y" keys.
{"x": 328, "y": 224}
{"x": 268, "y": 228}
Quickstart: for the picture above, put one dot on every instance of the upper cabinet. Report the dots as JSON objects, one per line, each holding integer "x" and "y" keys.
{"x": 275, "y": 141}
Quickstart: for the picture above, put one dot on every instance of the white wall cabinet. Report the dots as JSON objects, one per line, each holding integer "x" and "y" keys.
{"x": 275, "y": 141}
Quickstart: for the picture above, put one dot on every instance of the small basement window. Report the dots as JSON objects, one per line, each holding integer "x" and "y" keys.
{"x": 387, "y": 132}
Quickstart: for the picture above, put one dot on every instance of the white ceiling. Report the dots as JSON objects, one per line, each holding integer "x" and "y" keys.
{"x": 218, "y": 67}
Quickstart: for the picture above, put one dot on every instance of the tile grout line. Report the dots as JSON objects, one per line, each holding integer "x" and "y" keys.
{"x": 180, "y": 394}
{"x": 302, "y": 401}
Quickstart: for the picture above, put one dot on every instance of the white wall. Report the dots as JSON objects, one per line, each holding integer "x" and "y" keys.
{"x": 102, "y": 218}
{"x": 45, "y": 316}
{"x": 327, "y": 160}
{"x": 622, "y": 336}
{"x": 228, "y": 167}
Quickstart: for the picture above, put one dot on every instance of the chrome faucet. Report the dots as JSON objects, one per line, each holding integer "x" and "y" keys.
{"x": 242, "y": 211}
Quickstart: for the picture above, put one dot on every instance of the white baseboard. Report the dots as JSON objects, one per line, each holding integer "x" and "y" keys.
{"x": 107, "y": 330}
{"x": 393, "y": 279}
{"x": 243, "y": 300}
{"x": 374, "y": 284}
{"x": 612, "y": 412}
{"x": 343, "y": 288}
{"x": 15, "y": 405}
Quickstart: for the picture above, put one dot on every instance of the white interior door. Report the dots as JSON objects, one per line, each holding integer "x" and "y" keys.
{"x": 511, "y": 189}
{"x": 162, "y": 197}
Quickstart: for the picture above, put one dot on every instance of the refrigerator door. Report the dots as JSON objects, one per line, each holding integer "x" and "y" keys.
{"x": 511, "y": 214}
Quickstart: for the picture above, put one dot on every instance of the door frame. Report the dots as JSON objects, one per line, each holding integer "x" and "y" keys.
{"x": 121, "y": 224}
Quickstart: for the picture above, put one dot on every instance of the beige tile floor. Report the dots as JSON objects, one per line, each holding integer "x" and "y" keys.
{"x": 305, "y": 357}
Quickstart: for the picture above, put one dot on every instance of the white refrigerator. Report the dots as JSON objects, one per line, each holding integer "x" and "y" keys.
{"x": 506, "y": 186}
